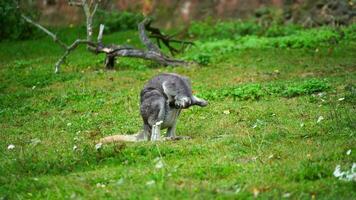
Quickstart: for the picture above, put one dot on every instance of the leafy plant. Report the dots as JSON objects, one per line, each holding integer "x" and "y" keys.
{"x": 200, "y": 58}
{"x": 224, "y": 30}
{"x": 246, "y": 92}
{"x": 118, "y": 21}
{"x": 306, "y": 87}
{"x": 257, "y": 91}
{"x": 12, "y": 24}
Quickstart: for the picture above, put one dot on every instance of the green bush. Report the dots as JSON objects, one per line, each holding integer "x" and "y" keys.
{"x": 276, "y": 37}
{"x": 118, "y": 21}
{"x": 349, "y": 32}
{"x": 306, "y": 87}
{"x": 256, "y": 91}
{"x": 279, "y": 30}
{"x": 224, "y": 30}
{"x": 308, "y": 38}
{"x": 246, "y": 92}
{"x": 202, "y": 58}
{"x": 12, "y": 24}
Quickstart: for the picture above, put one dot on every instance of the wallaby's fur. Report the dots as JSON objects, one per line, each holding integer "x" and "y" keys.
{"x": 162, "y": 99}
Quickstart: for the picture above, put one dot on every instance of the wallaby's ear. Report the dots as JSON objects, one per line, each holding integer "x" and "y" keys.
{"x": 199, "y": 102}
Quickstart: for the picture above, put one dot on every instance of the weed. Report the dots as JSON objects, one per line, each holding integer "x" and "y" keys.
{"x": 257, "y": 91}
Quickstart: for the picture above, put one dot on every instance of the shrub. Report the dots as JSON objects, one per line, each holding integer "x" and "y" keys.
{"x": 349, "y": 32}
{"x": 202, "y": 59}
{"x": 306, "y": 87}
{"x": 246, "y": 92}
{"x": 278, "y": 30}
{"x": 256, "y": 91}
{"x": 308, "y": 38}
{"x": 12, "y": 24}
{"x": 118, "y": 21}
{"x": 224, "y": 30}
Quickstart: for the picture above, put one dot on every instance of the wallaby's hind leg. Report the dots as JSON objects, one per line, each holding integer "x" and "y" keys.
{"x": 145, "y": 134}
{"x": 156, "y": 116}
{"x": 171, "y": 132}
{"x": 156, "y": 131}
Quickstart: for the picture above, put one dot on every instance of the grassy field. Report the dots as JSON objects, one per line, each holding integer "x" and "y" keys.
{"x": 278, "y": 123}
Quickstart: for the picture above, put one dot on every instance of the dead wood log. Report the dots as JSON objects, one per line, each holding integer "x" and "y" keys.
{"x": 112, "y": 51}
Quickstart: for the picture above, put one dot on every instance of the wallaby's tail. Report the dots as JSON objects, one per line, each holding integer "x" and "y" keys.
{"x": 120, "y": 138}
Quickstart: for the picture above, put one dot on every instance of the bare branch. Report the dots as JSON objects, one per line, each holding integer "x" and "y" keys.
{"x": 112, "y": 51}
{"x": 89, "y": 11}
{"x": 52, "y": 35}
{"x": 144, "y": 39}
{"x": 95, "y": 8}
{"x": 166, "y": 39}
{"x": 100, "y": 35}
{"x": 73, "y": 46}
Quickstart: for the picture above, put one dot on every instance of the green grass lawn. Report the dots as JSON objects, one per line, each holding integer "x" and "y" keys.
{"x": 279, "y": 121}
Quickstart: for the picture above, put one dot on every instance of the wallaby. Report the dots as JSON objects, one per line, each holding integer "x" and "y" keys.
{"x": 162, "y": 99}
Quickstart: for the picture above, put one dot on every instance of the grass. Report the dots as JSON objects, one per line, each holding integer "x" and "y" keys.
{"x": 259, "y": 136}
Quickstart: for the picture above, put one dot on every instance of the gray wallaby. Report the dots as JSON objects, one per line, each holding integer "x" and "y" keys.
{"x": 162, "y": 99}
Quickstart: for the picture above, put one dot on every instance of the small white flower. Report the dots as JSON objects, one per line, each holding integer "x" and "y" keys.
{"x": 75, "y": 147}
{"x": 10, "y": 147}
{"x": 159, "y": 164}
{"x": 321, "y": 118}
{"x": 35, "y": 141}
{"x": 256, "y": 192}
{"x": 151, "y": 182}
{"x": 120, "y": 181}
{"x": 100, "y": 185}
{"x": 348, "y": 152}
{"x": 237, "y": 190}
{"x": 337, "y": 172}
{"x": 286, "y": 195}
{"x": 321, "y": 94}
{"x": 226, "y": 112}
{"x": 98, "y": 146}
{"x": 341, "y": 99}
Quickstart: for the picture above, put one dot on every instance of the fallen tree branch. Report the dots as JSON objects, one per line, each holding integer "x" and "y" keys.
{"x": 53, "y": 36}
{"x": 112, "y": 51}
{"x": 70, "y": 49}
{"x": 166, "y": 39}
